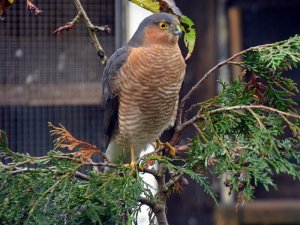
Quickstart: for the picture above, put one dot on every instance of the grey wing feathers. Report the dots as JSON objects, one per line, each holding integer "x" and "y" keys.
{"x": 111, "y": 71}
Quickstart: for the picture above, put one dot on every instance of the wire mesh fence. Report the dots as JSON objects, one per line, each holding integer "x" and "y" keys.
{"x": 46, "y": 78}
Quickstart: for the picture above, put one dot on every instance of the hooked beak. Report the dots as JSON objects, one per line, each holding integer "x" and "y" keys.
{"x": 177, "y": 31}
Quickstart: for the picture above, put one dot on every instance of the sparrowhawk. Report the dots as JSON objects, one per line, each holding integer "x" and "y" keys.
{"x": 141, "y": 84}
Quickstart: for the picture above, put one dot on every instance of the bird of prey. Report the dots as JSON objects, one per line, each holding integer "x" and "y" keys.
{"x": 141, "y": 84}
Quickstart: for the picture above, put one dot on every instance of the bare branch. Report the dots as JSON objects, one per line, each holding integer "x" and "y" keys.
{"x": 33, "y": 8}
{"x": 92, "y": 31}
{"x": 150, "y": 171}
{"x": 104, "y": 28}
{"x": 179, "y": 129}
{"x": 68, "y": 25}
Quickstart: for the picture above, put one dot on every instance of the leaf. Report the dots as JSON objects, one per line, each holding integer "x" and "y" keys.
{"x": 157, "y": 6}
{"x": 151, "y": 5}
{"x": 170, "y": 6}
{"x": 86, "y": 154}
{"x": 189, "y": 34}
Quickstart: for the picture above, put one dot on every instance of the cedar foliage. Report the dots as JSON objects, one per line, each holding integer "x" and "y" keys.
{"x": 248, "y": 132}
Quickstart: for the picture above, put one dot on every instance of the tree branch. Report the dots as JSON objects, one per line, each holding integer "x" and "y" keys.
{"x": 26, "y": 169}
{"x": 180, "y": 126}
{"x": 146, "y": 201}
{"x": 247, "y": 107}
{"x": 92, "y": 31}
{"x": 173, "y": 181}
{"x": 33, "y": 8}
{"x": 68, "y": 25}
{"x": 160, "y": 209}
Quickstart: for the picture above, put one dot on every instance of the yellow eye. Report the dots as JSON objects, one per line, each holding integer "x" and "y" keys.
{"x": 163, "y": 25}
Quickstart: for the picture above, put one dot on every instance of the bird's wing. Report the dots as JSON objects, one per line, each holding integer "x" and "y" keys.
{"x": 111, "y": 72}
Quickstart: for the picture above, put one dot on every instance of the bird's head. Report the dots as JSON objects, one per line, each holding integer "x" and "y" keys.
{"x": 159, "y": 28}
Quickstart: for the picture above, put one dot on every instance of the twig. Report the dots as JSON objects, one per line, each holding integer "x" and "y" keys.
{"x": 262, "y": 107}
{"x": 104, "y": 28}
{"x": 102, "y": 164}
{"x": 81, "y": 176}
{"x": 261, "y": 125}
{"x": 24, "y": 170}
{"x": 68, "y": 25}
{"x": 182, "y": 127}
{"x": 236, "y": 63}
{"x": 192, "y": 107}
{"x": 92, "y": 32}
{"x": 182, "y": 148}
{"x": 173, "y": 181}
{"x": 237, "y": 107}
{"x": 150, "y": 171}
{"x": 32, "y": 7}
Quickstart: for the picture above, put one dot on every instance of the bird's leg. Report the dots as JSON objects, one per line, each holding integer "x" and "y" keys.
{"x": 167, "y": 145}
{"x": 133, "y": 161}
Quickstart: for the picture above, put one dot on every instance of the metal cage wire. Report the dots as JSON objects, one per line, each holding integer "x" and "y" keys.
{"x": 46, "y": 78}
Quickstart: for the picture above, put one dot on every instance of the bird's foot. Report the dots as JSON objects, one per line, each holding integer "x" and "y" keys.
{"x": 132, "y": 164}
{"x": 134, "y": 168}
{"x": 167, "y": 145}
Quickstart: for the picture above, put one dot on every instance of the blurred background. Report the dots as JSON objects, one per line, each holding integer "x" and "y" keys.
{"x": 58, "y": 79}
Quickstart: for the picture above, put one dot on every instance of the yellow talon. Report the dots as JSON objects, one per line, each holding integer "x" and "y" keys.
{"x": 132, "y": 163}
{"x": 167, "y": 145}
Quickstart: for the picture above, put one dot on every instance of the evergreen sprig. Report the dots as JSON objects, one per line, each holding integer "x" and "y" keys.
{"x": 268, "y": 63}
{"x": 248, "y": 132}
{"x": 244, "y": 132}
{"x": 48, "y": 190}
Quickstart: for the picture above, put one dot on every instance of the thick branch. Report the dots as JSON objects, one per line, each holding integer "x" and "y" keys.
{"x": 146, "y": 201}
{"x": 160, "y": 213}
{"x": 160, "y": 209}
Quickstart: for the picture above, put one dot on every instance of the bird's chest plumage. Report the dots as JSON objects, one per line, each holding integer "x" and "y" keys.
{"x": 148, "y": 93}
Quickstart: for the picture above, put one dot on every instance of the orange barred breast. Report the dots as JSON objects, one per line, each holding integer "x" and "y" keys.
{"x": 148, "y": 91}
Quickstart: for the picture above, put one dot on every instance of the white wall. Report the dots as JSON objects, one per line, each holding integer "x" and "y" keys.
{"x": 135, "y": 15}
